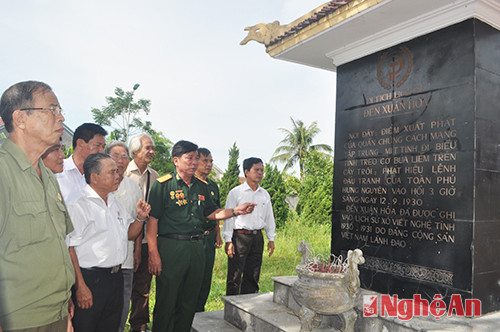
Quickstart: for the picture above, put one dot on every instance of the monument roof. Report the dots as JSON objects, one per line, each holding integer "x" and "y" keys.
{"x": 341, "y": 31}
{"x": 314, "y": 16}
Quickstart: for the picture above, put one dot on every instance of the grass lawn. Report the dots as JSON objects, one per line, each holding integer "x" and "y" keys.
{"x": 281, "y": 263}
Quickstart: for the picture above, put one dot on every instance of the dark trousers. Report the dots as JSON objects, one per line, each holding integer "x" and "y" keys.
{"x": 178, "y": 285}
{"x": 107, "y": 297}
{"x": 139, "y": 309}
{"x": 246, "y": 261}
{"x": 209, "y": 244}
{"x": 128, "y": 277}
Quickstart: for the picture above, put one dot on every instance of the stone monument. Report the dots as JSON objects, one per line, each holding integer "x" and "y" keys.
{"x": 417, "y": 152}
{"x": 417, "y": 161}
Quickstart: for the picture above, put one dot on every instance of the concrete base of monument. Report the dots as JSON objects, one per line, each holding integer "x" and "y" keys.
{"x": 270, "y": 312}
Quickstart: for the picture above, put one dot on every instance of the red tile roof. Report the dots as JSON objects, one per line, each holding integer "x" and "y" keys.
{"x": 327, "y": 9}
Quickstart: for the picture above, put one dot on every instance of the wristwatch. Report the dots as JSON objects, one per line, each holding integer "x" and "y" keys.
{"x": 142, "y": 220}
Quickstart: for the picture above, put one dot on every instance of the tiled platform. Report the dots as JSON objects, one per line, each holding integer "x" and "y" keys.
{"x": 273, "y": 312}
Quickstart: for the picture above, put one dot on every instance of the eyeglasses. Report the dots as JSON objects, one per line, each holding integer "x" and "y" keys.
{"x": 117, "y": 157}
{"x": 55, "y": 110}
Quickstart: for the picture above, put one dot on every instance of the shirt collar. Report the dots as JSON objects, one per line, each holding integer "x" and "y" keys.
{"x": 91, "y": 193}
{"x": 132, "y": 167}
{"x": 181, "y": 180}
{"x": 247, "y": 187}
{"x": 19, "y": 156}
{"x": 69, "y": 164}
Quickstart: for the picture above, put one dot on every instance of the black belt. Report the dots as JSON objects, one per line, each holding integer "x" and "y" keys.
{"x": 183, "y": 237}
{"x": 112, "y": 270}
{"x": 210, "y": 231}
{"x": 247, "y": 231}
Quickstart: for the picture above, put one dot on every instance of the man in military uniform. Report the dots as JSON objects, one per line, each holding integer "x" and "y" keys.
{"x": 212, "y": 237}
{"x": 180, "y": 207}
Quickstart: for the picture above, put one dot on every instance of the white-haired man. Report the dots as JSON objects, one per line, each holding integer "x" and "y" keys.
{"x": 142, "y": 151}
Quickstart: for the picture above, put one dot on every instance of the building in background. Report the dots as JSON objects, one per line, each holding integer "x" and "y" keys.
{"x": 67, "y": 137}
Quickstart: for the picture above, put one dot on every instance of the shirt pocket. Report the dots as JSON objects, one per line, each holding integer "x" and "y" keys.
{"x": 61, "y": 218}
{"x": 29, "y": 224}
{"x": 262, "y": 207}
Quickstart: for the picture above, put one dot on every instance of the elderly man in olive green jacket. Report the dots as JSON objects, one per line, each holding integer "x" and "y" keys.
{"x": 36, "y": 273}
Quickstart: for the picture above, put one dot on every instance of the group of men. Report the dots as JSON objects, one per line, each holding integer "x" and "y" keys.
{"x": 79, "y": 248}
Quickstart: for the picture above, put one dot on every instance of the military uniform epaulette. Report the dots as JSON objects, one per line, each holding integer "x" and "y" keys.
{"x": 164, "y": 178}
{"x": 205, "y": 182}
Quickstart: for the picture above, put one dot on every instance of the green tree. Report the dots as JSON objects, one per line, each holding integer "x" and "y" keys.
{"x": 297, "y": 144}
{"x": 67, "y": 152}
{"x": 315, "y": 203}
{"x": 292, "y": 184}
{"x": 275, "y": 185}
{"x": 231, "y": 177}
{"x": 121, "y": 113}
{"x": 162, "y": 162}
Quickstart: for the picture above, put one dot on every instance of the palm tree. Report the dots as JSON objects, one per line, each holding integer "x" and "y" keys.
{"x": 297, "y": 144}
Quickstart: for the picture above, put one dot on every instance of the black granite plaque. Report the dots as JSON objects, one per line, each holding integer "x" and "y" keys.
{"x": 417, "y": 161}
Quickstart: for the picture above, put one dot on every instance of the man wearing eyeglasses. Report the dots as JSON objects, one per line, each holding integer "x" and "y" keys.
{"x": 36, "y": 273}
{"x": 53, "y": 158}
{"x": 87, "y": 139}
{"x": 128, "y": 193}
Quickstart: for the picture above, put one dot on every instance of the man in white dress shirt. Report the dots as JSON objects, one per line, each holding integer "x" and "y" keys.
{"x": 98, "y": 245}
{"x": 88, "y": 139}
{"x": 243, "y": 233}
{"x": 128, "y": 193}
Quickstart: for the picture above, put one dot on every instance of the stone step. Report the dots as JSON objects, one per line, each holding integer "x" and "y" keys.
{"x": 258, "y": 312}
{"x": 282, "y": 291}
{"x": 212, "y": 321}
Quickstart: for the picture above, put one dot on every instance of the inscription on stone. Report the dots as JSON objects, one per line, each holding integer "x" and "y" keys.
{"x": 393, "y": 174}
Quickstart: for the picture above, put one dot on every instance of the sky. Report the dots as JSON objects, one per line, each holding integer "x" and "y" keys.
{"x": 203, "y": 86}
